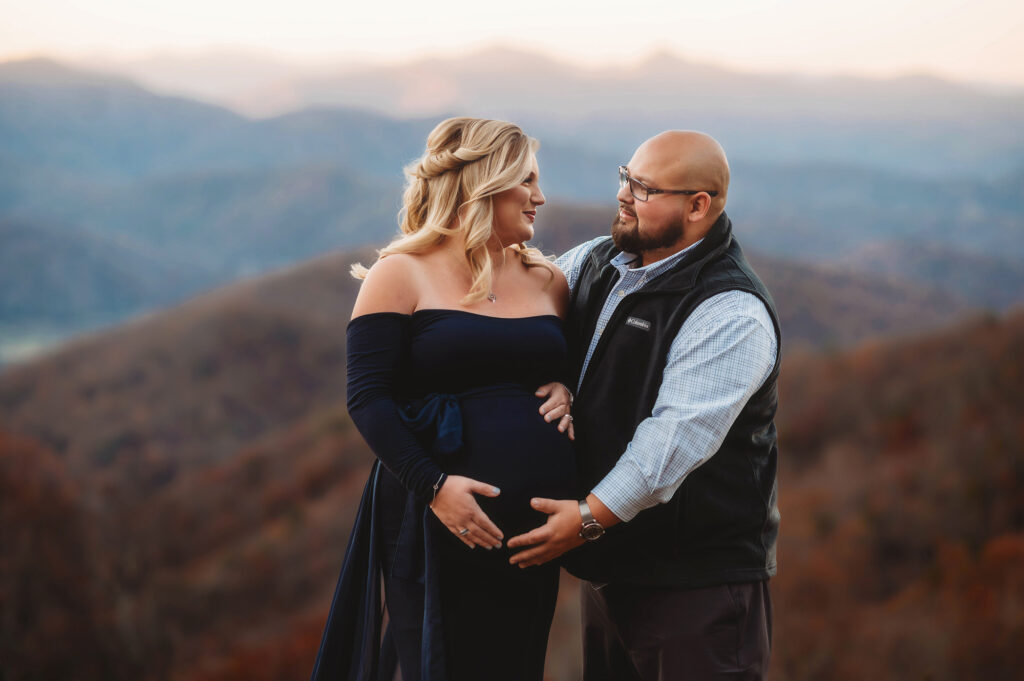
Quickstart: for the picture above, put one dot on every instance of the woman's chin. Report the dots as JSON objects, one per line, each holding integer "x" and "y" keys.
{"x": 522, "y": 235}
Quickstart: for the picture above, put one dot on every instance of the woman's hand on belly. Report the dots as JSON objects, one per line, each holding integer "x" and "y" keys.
{"x": 456, "y": 507}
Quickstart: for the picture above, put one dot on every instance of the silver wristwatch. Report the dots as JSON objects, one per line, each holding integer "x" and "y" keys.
{"x": 591, "y": 529}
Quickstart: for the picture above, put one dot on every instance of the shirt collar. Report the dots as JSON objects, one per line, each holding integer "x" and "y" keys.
{"x": 623, "y": 261}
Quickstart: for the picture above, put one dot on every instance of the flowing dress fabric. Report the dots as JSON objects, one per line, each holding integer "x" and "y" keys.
{"x": 448, "y": 391}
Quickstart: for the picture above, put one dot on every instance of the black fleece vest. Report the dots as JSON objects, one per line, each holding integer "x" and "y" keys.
{"x": 722, "y": 523}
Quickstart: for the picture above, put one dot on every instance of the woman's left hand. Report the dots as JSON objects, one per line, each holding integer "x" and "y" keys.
{"x": 557, "y": 406}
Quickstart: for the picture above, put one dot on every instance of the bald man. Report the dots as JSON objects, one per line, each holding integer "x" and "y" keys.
{"x": 675, "y": 357}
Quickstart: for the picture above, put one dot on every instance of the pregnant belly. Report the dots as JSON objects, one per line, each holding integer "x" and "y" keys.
{"x": 507, "y": 443}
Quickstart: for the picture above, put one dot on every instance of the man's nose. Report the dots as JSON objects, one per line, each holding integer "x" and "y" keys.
{"x": 624, "y": 195}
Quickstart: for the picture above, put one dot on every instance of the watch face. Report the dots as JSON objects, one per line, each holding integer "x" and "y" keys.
{"x": 592, "y": 532}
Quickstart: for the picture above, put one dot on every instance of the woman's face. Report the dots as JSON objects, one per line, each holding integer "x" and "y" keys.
{"x": 515, "y": 209}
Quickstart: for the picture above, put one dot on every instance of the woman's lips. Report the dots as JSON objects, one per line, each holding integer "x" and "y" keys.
{"x": 532, "y": 214}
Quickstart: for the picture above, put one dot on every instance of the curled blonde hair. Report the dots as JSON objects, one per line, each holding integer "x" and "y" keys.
{"x": 449, "y": 191}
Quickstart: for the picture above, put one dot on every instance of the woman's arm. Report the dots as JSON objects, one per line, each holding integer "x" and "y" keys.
{"x": 377, "y": 344}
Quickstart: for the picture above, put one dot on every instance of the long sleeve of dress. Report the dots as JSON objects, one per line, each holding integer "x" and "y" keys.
{"x": 376, "y": 346}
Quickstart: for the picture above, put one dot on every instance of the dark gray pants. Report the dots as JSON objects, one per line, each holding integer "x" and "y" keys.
{"x": 643, "y": 633}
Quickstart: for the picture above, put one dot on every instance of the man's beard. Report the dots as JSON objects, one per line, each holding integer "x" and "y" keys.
{"x": 627, "y": 236}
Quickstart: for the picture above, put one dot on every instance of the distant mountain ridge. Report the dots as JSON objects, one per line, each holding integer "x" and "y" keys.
{"x": 913, "y": 123}
{"x": 234, "y": 363}
{"x": 240, "y": 360}
{"x": 991, "y": 282}
{"x": 85, "y": 275}
{"x": 231, "y": 75}
{"x": 201, "y": 189}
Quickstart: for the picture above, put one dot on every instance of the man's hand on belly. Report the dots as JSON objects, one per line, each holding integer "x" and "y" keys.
{"x": 559, "y": 534}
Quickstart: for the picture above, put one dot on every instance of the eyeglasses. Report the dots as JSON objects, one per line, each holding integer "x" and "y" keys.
{"x": 641, "y": 192}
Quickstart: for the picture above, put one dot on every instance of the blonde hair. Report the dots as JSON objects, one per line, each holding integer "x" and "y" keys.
{"x": 449, "y": 189}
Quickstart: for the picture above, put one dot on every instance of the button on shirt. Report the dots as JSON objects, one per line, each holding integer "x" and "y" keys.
{"x": 722, "y": 354}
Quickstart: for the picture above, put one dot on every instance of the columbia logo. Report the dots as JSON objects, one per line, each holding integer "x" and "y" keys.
{"x": 638, "y": 323}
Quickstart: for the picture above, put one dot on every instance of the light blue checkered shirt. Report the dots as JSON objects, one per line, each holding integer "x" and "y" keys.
{"x": 722, "y": 354}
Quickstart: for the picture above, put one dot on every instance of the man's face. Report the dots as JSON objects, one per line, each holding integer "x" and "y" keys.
{"x": 657, "y": 223}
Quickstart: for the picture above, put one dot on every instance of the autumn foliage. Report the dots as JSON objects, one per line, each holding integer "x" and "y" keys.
{"x": 901, "y": 550}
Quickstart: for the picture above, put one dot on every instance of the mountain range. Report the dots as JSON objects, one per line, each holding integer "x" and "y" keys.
{"x": 915, "y": 123}
{"x": 115, "y": 201}
{"x": 240, "y": 360}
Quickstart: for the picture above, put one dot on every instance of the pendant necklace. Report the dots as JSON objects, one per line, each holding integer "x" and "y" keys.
{"x": 490, "y": 294}
{"x": 494, "y": 277}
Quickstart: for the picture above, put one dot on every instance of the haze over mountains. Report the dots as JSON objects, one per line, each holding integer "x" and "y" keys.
{"x": 168, "y": 196}
{"x": 914, "y": 123}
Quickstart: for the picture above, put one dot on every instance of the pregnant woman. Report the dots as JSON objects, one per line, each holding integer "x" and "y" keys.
{"x": 455, "y": 326}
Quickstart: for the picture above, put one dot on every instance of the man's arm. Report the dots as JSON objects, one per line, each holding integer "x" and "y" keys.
{"x": 715, "y": 365}
{"x": 720, "y": 357}
{"x": 571, "y": 261}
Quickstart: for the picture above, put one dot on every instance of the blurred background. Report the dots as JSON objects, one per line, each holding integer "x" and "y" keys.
{"x": 183, "y": 189}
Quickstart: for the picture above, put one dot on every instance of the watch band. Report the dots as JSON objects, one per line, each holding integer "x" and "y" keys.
{"x": 585, "y": 513}
{"x": 590, "y": 529}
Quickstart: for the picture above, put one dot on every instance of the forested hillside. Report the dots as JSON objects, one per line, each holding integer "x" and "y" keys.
{"x": 902, "y": 536}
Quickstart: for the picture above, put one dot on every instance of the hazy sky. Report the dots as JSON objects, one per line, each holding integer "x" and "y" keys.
{"x": 977, "y": 40}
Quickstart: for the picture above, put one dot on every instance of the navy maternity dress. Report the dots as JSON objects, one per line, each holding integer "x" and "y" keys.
{"x": 448, "y": 391}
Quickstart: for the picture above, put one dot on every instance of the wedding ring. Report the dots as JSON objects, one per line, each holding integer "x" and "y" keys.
{"x": 464, "y": 531}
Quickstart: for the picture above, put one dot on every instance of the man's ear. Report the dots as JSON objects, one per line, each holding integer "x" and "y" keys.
{"x": 700, "y": 206}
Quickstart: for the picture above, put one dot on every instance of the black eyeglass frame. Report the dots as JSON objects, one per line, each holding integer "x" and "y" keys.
{"x": 625, "y": 178}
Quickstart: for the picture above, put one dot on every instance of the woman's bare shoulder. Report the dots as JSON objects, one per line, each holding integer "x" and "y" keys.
{"x": 391, "y": 285}
{"x": 551, "y": 282}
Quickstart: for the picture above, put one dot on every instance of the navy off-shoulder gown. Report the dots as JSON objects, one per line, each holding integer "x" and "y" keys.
{"x": 448, "y": 391}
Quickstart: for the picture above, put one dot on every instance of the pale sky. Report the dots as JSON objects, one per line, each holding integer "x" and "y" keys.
{"x": 982, "y": 40}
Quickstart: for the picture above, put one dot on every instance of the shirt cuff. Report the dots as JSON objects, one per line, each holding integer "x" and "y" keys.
{"x": 625, "y": 491}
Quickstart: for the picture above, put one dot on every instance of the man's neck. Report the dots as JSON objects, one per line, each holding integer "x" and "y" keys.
{"x": 653, "y": 256}
{"x": 691, "y": 235}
